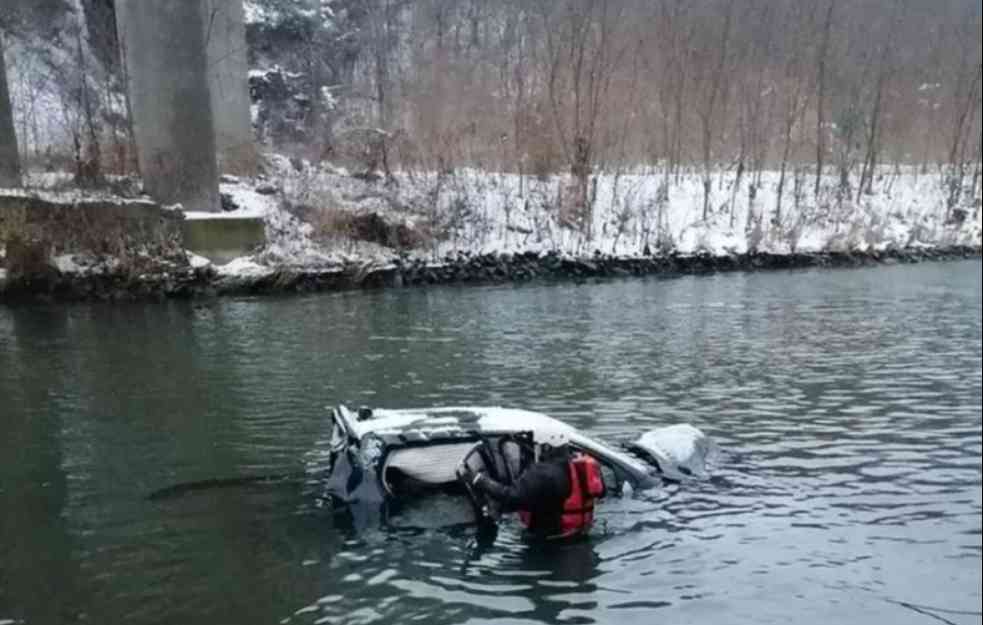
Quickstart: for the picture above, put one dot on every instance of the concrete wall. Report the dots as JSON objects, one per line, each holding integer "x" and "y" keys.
{"x": 9, "y": 157}
{"x": 221, "y": 240}
{"x": 34, "y": 229}
{"x": 228, "y": 78}
{"x": 163, "y": 47}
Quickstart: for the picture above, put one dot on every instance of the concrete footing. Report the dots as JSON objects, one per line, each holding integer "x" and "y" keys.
{"x": 222, "y": 239}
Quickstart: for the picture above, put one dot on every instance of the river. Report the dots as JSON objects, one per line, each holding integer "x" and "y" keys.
{"x": 846, "y": 406}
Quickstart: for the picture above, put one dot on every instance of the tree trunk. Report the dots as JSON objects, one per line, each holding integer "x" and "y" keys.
{"x": 979, "y": 164}
{"x": 716, "y": 88}
{"x": 821, "y": 96}
{"x": 957, "y": 168}
{"x": 9, "y": 155}
{"x": 873, "y": 137}
{"x": 781, "y": 176}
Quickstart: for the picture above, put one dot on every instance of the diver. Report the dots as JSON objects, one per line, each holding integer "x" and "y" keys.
{"x": 554, "y": 496}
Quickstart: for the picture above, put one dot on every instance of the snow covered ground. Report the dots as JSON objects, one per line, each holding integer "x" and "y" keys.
{"x": 481, "y": 212}
{"x": 308, "y": 211}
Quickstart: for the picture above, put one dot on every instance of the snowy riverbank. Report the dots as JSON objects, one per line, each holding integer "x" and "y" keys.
{"x": 327, "y": 229}
{"x": 482, "y": 213}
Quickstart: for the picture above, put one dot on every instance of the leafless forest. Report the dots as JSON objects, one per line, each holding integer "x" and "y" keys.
{"x": 832, "y": 90}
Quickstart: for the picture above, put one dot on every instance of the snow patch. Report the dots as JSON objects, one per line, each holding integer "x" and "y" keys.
{"x": 488, "y": 212}
{"x": 66, "y": 264}
{"x": 245, "y": 267}
{"x": 72, "y": 196}
{"x": 197, "y": 262}
{"x": 84, "y": 265}
{"x": 205, "y": 216}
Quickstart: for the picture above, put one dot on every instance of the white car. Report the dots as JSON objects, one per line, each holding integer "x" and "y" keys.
{"x": 378, "y": 455}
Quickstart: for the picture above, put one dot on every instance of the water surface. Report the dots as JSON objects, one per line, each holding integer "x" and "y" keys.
{"x": 846, "y": 405}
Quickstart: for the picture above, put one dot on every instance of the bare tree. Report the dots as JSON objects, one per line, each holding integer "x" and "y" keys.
{"x": 978, "y": 157}
{"x": 974, "y": 193}
{"x": 885, "y": 69}
{"x": 582, "y": 53}
{"x": 676, "y": 32}
{"x": 792, "y": 89}
{"x": 821, "y": 62}
{"x": 754, "y": 106}
{"x": 965, "y": 98}
{"x": 715, "y": 95}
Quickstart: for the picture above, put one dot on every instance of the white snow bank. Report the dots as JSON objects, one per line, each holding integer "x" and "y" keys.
{"x": 244, "y": 267}
{"x": 196, "y": 261}
{"x": 203, "y": 215}
{"x": 72, "y": 196}
{"x": 252, "y": 205}
{"x": 81, "y": 264}
{"x": 484, "y": 212}
{"x": 66, "y": 264}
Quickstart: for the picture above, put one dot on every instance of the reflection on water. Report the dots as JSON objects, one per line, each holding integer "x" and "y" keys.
{"x": 846, "y": 406}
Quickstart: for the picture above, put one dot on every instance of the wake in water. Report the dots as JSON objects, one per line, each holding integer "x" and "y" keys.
{"x": 185, "y": 488}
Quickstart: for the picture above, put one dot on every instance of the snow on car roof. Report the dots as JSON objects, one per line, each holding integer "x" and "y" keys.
{"x": 418, "y": 424}
{"x": 457, "y": 419}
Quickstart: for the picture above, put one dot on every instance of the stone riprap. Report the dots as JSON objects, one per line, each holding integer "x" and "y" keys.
{"x": 188, "y": 282}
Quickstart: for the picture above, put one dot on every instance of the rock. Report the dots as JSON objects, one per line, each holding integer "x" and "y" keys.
{"x": 228, "y": 204}
{"x": 228, "y": 179}
{"x": 267, "y": 188}
{"x": 368, "y": 176}
{"x": 373, "y": 228}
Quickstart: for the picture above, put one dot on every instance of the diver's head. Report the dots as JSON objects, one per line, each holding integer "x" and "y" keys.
{"x": 554, "y": 445}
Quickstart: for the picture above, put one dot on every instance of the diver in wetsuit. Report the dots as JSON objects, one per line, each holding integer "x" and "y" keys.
{"x": 554, "y": 497}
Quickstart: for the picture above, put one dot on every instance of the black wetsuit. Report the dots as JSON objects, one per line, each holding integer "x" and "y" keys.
{"x": 541, "y": 490}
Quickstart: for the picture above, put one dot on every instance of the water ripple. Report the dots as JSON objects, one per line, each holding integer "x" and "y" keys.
{"x": 845, "y": 406}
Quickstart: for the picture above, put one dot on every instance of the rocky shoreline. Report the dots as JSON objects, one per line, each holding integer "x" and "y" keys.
{"x": 463, "y": 269}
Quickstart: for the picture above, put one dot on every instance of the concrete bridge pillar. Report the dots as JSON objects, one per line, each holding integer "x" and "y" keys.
{"x": 9, "y": 156}
{"x": 228, "y": 77}
{"x": 164, "y": 53}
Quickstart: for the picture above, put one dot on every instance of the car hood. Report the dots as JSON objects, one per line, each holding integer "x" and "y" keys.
{"x": 681, "y": 451}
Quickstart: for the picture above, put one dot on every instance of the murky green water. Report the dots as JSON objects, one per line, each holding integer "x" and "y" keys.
{"x": 846, "y": 405}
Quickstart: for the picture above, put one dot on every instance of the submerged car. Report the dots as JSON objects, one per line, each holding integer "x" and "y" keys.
{"x": 383, "y": 455}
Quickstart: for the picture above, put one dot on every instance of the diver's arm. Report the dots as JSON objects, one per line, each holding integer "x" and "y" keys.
{"x": 520, "y": 495}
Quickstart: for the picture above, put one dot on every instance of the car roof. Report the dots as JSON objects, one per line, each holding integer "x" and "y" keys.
{"x": 453, "y": 419}
{"x": 418, "y": 424}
